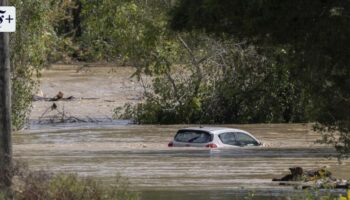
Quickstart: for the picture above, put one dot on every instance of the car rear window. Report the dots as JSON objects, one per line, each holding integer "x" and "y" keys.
{"x": 192, "y": 136}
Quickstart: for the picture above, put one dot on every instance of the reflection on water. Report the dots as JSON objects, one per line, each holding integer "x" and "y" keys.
{"x": 141, "y": 154}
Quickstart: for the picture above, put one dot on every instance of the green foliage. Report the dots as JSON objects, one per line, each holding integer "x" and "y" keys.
{"x": 314, "y": 32}
{"x": 2, "y": 196}
{"x": 122, "y": 30}
{"x": 267, "y": 73}
{"x": 254, "y": 89}
{"x": 199, "y": 79}
{"x": 31, "y": 45}
{"x": 33, "y": 185}
{"x": 41, "y": 185}
{"x": 196, "y": 78}
{"x": 28, "y": 54}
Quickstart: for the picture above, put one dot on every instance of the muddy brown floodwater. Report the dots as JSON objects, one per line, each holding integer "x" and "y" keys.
{"x": 108, "y": 148}
{"x": 141, "y": 154}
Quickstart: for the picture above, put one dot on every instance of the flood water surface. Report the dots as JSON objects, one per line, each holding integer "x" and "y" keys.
{"x": 141, "y": 154}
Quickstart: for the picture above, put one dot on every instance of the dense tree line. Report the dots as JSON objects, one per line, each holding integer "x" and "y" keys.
{"x": 313, "y": 35}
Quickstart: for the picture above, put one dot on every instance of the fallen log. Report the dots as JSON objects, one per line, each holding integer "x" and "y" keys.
{"x": 70, "y": 98}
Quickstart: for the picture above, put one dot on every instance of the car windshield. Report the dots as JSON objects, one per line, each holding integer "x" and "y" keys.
{"x": 238, "y": 139}
{"x": 192, "y": 136}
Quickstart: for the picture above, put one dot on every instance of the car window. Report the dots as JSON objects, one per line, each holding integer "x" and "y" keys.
{"x": 193, "y": 137}
{"x": 228, "y": 138}
{"x": 244, "y": 139}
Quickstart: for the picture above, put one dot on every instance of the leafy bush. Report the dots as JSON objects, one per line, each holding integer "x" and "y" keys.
{"x": 33, "y": 185}
{"x": 197, "y": 78}
{"x": 41, "y": 185}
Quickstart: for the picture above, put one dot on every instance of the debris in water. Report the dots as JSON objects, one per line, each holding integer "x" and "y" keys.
{"x": 319, "y": 178}
{"x": 57, "y": 97}
{"x": 61, "y": 116}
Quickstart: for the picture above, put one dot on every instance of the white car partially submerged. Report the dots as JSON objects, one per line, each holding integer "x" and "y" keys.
{"x": 213, "y": 137}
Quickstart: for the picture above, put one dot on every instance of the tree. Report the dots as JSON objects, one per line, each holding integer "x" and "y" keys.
{"x": 33, "y": 43}
{"x": 5, "y": 110}
{"x": 314, "y": 34}
{"x": 122, "y": 30}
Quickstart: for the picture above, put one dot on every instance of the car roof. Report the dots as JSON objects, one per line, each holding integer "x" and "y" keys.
{"x": 214, "y": 130}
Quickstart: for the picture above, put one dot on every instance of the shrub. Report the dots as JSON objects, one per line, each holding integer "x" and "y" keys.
{"x": 42, "y": 185}
{"x": 201, "y": 79}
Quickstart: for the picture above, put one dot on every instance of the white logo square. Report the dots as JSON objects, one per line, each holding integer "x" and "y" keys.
{"x": 7, "y": 19}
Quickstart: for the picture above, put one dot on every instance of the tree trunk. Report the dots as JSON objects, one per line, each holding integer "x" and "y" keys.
{"x": 77, "y": 18}
{"x": 5, "y": 110}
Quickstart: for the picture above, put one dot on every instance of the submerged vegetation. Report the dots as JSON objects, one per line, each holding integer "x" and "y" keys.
{"x": 219, "y": 81}
{"x": 210, "y": 62}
